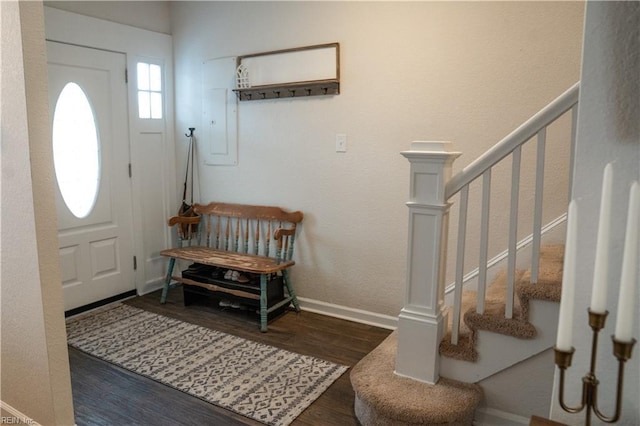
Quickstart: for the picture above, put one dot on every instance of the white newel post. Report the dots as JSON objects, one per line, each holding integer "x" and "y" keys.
{"x": 422, "y": 320}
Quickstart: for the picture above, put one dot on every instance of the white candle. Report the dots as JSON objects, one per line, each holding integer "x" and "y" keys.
{"x": 624, "y": 322}
{"x": 599, "y": 290}
{"x": 565, "y": 320}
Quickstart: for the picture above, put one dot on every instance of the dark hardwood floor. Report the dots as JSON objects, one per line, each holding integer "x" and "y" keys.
{"x": 104, "y": 394}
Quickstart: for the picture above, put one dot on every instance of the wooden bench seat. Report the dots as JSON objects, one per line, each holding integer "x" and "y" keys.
{"x": 244, "y": 238}
{"x": 230, "y": 260}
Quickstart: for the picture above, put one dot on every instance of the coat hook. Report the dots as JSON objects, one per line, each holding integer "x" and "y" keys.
{"x": 264, "y": 95}
{"x": 324, "y": 90}
{"x": 248, "y": 95}
{"x": 293, "y": 93}
{"x": 190, "y": 134}
{"x": 308, "y": 92}
{"x": 277, "y": 92}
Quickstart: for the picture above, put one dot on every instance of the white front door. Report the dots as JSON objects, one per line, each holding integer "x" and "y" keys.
{"x": 88, "y": 105}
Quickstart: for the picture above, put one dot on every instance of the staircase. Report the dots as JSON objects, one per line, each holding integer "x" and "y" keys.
{"x": 480, "y": 351}
{"x": 428, "y": 371}
{"x": 383, "y": 398}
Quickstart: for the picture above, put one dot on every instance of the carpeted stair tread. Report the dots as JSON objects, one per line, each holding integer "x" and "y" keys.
{"x": 551, "y": 261}
{"x": 491, "y": 320}
{"x": 514, "y": 327}
{"x": 547, "y": 288}
{"x": 383, "y": 398}
{"x": 549, "y": 285}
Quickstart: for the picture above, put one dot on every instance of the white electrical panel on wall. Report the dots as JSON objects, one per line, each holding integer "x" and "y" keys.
{"x": 219, "y": 134}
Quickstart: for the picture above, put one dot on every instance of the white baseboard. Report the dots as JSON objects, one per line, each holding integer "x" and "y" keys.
{"x": 97, "y": 309}
{"x": 492, "y": 417}
{"x": 150, "y": 286}
{"x": 15, "y": 416}
{"x": 349, "y": 314}
{"x": 322, "y": 308}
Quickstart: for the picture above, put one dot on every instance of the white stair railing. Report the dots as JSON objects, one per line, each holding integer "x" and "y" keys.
{"x": 481, "y": 169}
{"x": 423, "y": 319}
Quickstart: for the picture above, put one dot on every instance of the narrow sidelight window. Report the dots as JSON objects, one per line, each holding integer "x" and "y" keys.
{"x": 149, "y": 91}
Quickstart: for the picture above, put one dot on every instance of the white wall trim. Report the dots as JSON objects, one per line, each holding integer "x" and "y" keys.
{"x": 15, "y": 416}
{"x": 150, "y": 46}
{"x": 150, "y": 286}
{"x": 492, "y": 417}
{"x": 349, "y": 314}
{"x": 323, "y": 308}
{"x": 99, "y": 308}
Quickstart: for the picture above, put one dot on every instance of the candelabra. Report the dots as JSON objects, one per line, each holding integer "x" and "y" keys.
{"x": 621, "y": 350}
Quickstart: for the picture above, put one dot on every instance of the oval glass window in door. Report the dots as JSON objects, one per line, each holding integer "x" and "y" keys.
{"x": 76, "y": 150}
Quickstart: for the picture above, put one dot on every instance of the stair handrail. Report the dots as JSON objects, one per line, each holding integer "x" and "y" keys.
{"x": 511, "y": 145}
{"x": 518, "y": 137}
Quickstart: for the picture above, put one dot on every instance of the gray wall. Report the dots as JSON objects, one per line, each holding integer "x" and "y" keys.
{"x": 469, "y": 72}
{"x": 523, "y": 389}
{"x": 150, "y": 15}
{"x": 608, "y": 130}
{"x": 35, "y": 361}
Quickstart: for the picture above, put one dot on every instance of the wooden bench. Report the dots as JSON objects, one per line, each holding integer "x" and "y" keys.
{"x": 248, "y": 239}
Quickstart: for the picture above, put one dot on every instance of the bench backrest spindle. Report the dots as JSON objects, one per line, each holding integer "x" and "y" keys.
{"x": 246, "y": 236}
{"x": 217, "y": 235}
{"x": 268, "y": 242}
{"x": 238, "y": 232}
{"x": 207, "y": 231}
{"x": 256, "y": 247}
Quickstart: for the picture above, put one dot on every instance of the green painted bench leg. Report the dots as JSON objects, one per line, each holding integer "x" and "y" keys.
{"x": 263, "y": 303}
{"x": 292, "y": 294}
{"x": 167, "y": 280}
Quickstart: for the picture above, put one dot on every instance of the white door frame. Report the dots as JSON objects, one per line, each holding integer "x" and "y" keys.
{"x": 150, "y": 209}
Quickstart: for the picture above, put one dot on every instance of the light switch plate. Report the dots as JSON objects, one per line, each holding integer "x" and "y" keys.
{"x": 341, "y": 142}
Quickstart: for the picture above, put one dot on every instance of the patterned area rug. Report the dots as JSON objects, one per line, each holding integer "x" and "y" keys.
{"x": 267, "y": 384}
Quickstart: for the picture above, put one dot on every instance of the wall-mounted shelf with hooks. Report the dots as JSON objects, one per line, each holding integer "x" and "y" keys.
{"x": 289, "y": 90}
{"x": 289, "y": 73}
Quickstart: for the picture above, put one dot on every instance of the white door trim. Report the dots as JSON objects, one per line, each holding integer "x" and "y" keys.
{"x": 135, "y": 43}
